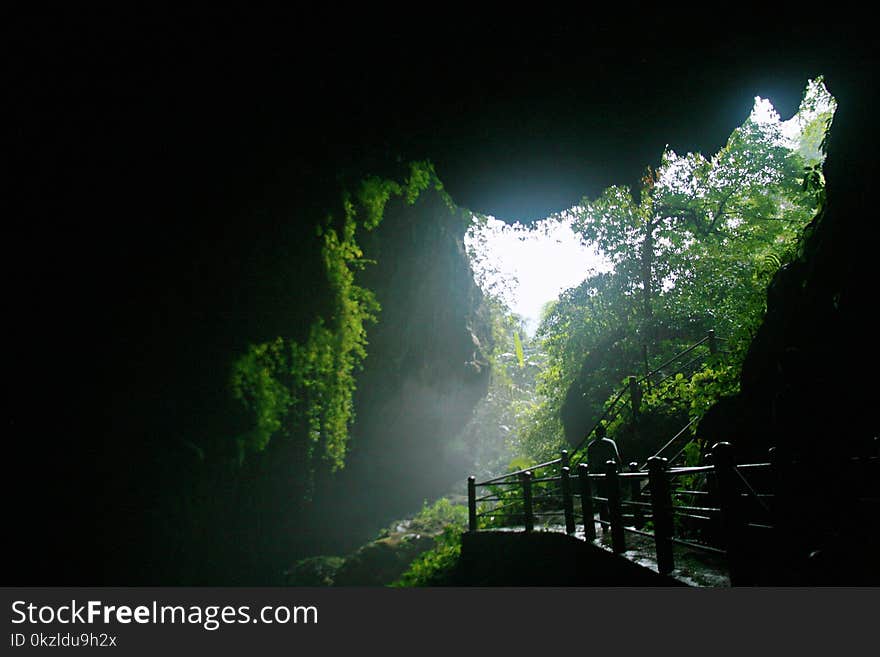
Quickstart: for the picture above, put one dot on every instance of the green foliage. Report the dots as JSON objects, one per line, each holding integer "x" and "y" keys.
{"x": 420, "y": 178}
{"x": 668, "y": 407}
{"x": 694, "y": 250}
{"x": 304, "y": 391}
{"x": 255, "y": 382}
{"x": 307, "y": 388}
{"x": 506, "y": 508}
{"x": 373, "y": 196}
{"x": 434, "y": 567}
{"x": 489, "y": 438}
{"x": 692, "y": 396}
{"x": 437, "y": 516}
{"x": 691, "y": 455}
{"x": 709, "y": 385}
{"x": 519, "y": 463}
{"x": 539, "y": 431}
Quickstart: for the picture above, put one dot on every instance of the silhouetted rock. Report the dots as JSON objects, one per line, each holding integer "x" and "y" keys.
{"x": 806, "y": 385}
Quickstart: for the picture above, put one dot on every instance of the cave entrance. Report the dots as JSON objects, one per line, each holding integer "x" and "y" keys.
{"x": 529, "y": 266}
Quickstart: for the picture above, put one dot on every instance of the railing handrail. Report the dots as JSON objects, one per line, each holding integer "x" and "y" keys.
{"x": 709, "y": 337}
{"x": 669, "y": 442}
{"x": 676, "y": 357}
{"x": 519, "y": 472}
{"x": 601, "y": 418}
{"x": 724, "y": 507}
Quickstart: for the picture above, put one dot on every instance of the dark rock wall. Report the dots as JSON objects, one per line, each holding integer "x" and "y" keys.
{"x": 808, "y": 382}
{"x": 425, "y": 371}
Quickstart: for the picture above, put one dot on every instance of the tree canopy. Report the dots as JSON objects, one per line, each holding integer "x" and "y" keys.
{"x": 693, "y": 249}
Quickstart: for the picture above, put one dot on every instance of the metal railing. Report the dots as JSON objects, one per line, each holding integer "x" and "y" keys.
{"x": 716, "y": 520}
{"x": 654, "y": 377}
{"x": 714, "y": 509}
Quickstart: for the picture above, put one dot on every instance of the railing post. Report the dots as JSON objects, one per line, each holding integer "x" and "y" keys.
{"x": 563, "y": 456}
{"x": 779, "y": 554}
{"x": 661, "y": 505}
{"x": 472, "y": 503}
{"x": 618, "y": 544}
{"x": 711, "y": 482}
{"x": 715, "y": 529}
{"x": 567, "y": 503}
{"x": 564, "y": 465}
{"x": 713, "y": 344}
{"x": 635, "y": 397}
{"x": 635, "y": 492}
{"x": 776, "y": 480}
{"x": 730, "y": 502}
{"x": 527, "y": 501}
{"x": 587, "y": 502}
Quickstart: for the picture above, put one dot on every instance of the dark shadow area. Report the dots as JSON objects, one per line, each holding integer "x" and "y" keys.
{"x": 166, "y": 173}
{"x": 545, "y": 559}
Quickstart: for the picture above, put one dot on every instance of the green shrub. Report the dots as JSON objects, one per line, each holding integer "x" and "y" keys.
{"x": 434, "y": 567}
{"x": 437, "y": 566}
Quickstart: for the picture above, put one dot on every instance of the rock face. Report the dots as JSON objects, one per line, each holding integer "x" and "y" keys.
{"x": 426, "y": 367}
{"x": 806, "y": 386}
{"x": 425, "y": 371}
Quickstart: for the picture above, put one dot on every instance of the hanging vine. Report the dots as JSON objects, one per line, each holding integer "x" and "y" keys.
{"x": 304, "y": 392}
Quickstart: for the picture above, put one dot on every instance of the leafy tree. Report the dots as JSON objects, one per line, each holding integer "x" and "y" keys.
{"x": 694, "y": 251}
